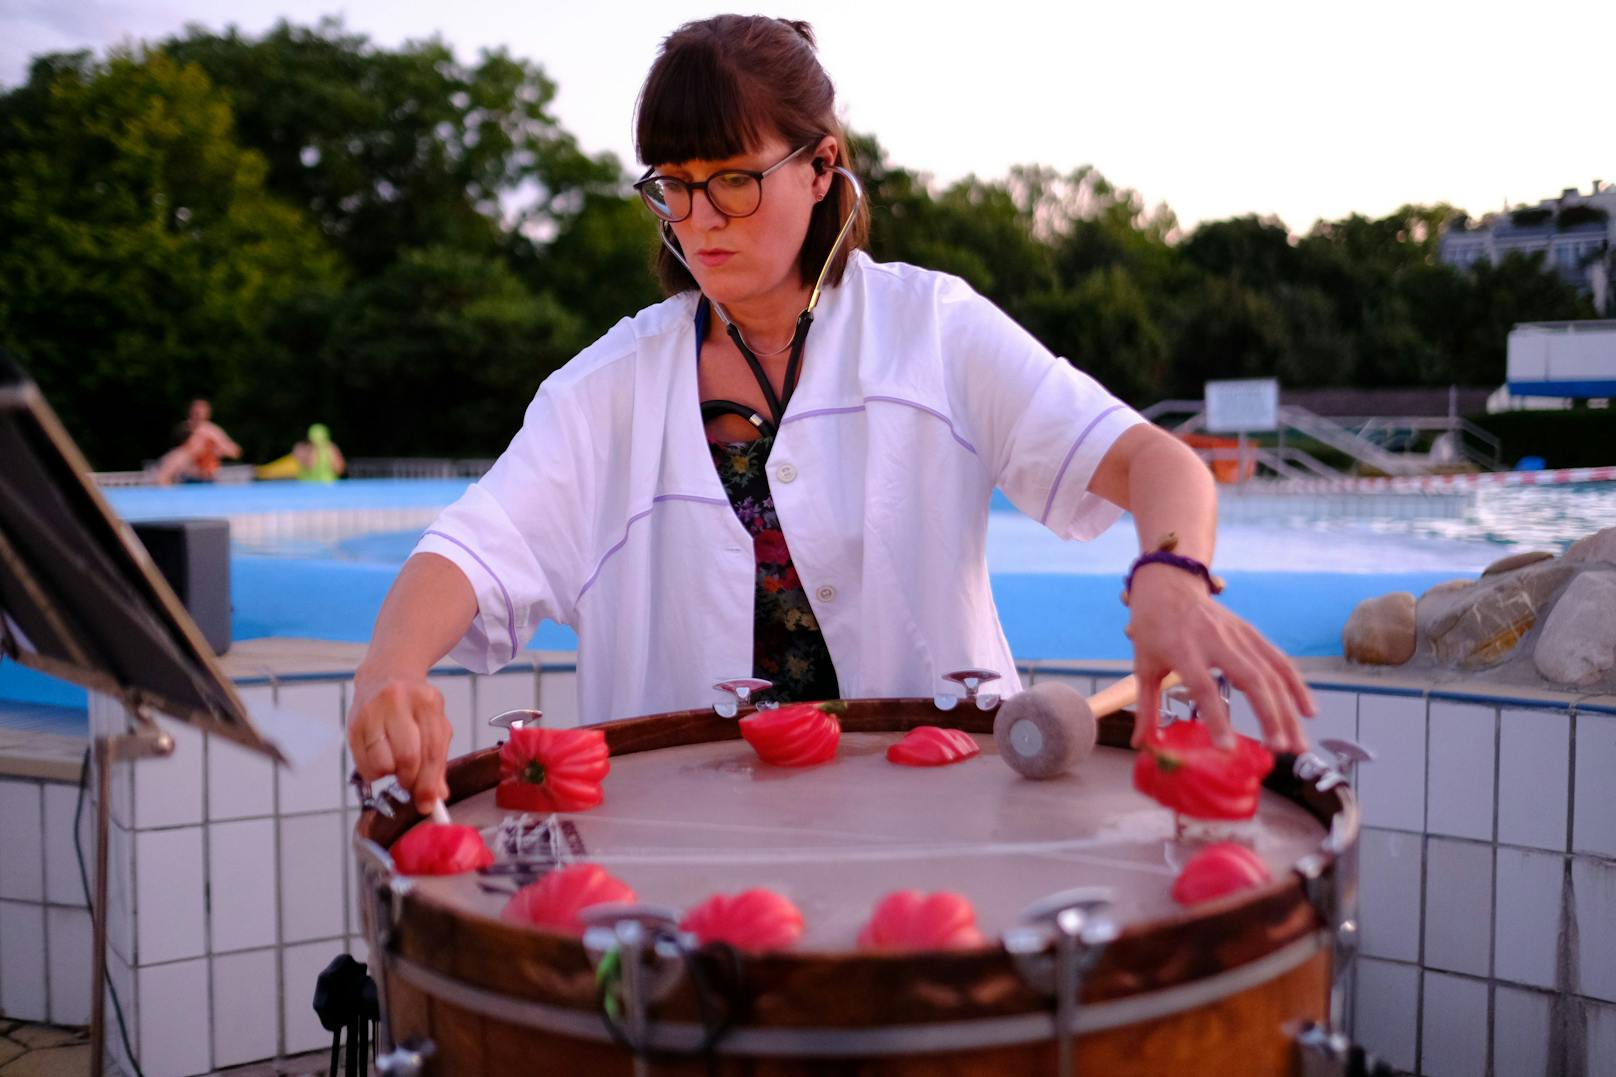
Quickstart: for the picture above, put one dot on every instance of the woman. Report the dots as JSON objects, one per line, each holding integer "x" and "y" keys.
{"x": 791, "y": 388}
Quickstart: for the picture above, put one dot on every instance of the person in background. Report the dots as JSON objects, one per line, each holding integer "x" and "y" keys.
{"x": 318, "y": 458}
{"x": 202, "y": 446}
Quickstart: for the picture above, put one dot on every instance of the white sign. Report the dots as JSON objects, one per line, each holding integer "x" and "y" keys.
{"x": 1242, "y": 406}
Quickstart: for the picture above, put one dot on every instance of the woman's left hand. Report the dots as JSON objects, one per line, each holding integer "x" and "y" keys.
{"x": 1177, "y": 627}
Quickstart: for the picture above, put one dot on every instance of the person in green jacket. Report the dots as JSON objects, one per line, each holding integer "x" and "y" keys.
{"x": 318, "y": 458}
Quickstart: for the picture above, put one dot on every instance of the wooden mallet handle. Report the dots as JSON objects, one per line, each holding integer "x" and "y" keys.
{"x": 1123, "y": 694}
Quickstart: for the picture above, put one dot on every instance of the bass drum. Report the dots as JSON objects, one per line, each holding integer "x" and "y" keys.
{"x": 1123, "y": 982}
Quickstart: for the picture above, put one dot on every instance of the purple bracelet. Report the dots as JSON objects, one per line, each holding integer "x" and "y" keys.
{"x": 1165, "y": 556}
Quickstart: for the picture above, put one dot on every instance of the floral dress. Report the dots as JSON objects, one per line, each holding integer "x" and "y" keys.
{"x": 788, "y": 647}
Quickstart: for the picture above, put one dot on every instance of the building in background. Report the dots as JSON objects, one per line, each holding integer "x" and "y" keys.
{"x": 1575, "y": 233}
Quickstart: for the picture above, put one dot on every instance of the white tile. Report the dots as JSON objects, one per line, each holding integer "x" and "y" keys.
{"x": 168, "y": 790}
{"x": 317, "y": 785}
{"x": 1384, "y": 1014}
{"x": 121, "y": 996}
{"x": 63, "y": 884}
{"x": 107, "y": 715}
{"x": 494, "y": 696}
{"x": 301, "y": 967}
{"x": 242, "y": 885}
{"x": 1595, "y": 807}
{"x": 1594, "y": 884}
{"x": 241, "y": 782}
{"x": 1599, "y": 1039}
{"x": 1526, "y": 937}
{"x": 1534, "y": 754}
{"x": 70, "y": 933}
{"x": 1242, "y": 717}
{"x": 1389, "y": 893}
{"x": 169, "y": 895}
{"x": 1392, "y": 788}
{"x": 22, "y": 962}
{"x": 311, "y": 877}
{"x": 355, "y": 923}
{"x": 1453, "y": 1040}
{"x": 244, "y": 1007}
{"x": 1458, "y": 906}
{"x": 174, "y": 1019}
{"x": 1522, "y": 1033}
{"x": 1337, "y": 718}
{"x": 1460, "y": 770}
{"x": 121, "y": 777}
{"x": 120, "y": 892}
{"x": 457, "y": 708}
{"x": 558, "y": 698}
{"x": 22, "y": 842}
{"x": 359, "y": 950}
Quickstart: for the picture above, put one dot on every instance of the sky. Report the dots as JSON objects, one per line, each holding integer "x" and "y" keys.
{"x": 1300, "y": 110}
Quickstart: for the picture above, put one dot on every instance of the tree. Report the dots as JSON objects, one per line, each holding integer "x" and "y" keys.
{"x": 143, "y": 256}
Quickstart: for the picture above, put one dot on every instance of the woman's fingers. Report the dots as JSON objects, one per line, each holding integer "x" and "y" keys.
{"x": 401, "y": 730}
{"x": 1147, "y": 708}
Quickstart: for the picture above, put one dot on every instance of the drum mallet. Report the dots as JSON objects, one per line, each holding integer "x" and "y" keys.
{"x": 1050, "y": 728}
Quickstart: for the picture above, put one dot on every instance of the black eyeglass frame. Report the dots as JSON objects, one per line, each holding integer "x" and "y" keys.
{"x": 692, "y": 188}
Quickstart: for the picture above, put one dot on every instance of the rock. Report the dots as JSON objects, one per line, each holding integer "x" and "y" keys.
{"x": 1445, "y": 586}
{"x": 1380, "y": 631}
{"x": 1599, "y": 547}
{"x": 1515, "y": 561}
{"x": 1578, "y": 644}
{"x": 1476, "y": 627}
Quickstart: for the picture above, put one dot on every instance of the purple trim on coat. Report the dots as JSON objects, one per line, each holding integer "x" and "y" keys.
{"x": 1054, "y": 488}
{"x": 510, "y": 610}
{"x": 933, "y": 412}
{"x": 601, "y": 564}
{"x": 822, "y": 411}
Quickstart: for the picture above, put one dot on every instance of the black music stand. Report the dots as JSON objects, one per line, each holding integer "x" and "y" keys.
{"x": 81, "y": 600}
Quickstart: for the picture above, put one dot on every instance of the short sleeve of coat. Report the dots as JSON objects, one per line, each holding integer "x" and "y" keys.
{"x": 520, "y": 532}
{"x": 1040, "y": 425}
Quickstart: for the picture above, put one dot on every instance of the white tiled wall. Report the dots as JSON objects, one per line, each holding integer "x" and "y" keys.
{"x": 1453, "y": 1041}
{"x": 1526, "y": 937}
{"x": 242, "y": 890}
{"x": 170, "y": 895}
{"x": 22, "y": 842}
{"x": 311, "y": 883}
{"x": 1595, "y": 808}
{"x": 245, "y": 988}
{"x": 1459, "y": 769}
{"x": 558, "y": 698}
{"x": 1390, "y": 880}
{"x": 1458, "y": 906}
{"x": 301, "y": 967}
{"x": 1525, "y": 1019}
{"x": 1534, "y": 756}
{"x": 1593, "y": 882}
{"x": 69, "y": 936}
{"x": 63, "y": 883}
{"x": 1392, "y": 789}
{"x": 168, "y": 790}
{"x": 22, "y": 962}
{"x": 494, "y": 696}
{"x": 174, "y": 1019}
{"x": 319, "y": 784}
{"x": 1386, "y": 1013}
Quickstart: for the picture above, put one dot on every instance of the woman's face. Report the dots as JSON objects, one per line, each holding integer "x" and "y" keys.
{"x": 740, "y": 259}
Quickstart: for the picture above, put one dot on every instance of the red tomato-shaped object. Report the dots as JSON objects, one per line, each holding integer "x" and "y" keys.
{"x": 796, "y": 735}
{"x": 910, "y": 920}
{"x": 933, "y": 746}
{"x": 1181, "y": 768}
{"x": 556, "y": 900}
{"x": 441, "y": 849}
{"x": 750, "y": 920}
{"x": 1217, "y": 870}
{"x": 546, "y": 770}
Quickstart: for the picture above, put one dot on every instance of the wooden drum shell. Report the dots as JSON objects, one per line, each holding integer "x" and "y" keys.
{"x": 1273, "y": 937}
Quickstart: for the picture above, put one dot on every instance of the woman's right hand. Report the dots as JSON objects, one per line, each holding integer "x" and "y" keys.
{"x": 397, "y": 726}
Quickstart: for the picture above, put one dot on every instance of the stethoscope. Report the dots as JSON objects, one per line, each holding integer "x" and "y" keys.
{"x": 766, "y": 427}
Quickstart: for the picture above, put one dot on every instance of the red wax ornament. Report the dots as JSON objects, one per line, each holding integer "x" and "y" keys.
{"x": 751, "y": 920}
{"x": 796, "y": 735}
{"x": 1218, "y": 870}
{"x": 933, "y": 746}
{"x": 910, "y": 920}
{"x": 549, "y": 770}
{"x": 440, "y": 849}
{"x": 556, "y": 900}
{"x": 1181, "y": 768}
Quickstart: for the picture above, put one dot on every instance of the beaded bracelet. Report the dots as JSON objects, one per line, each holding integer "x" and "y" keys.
{"x": 1163, "y": 555}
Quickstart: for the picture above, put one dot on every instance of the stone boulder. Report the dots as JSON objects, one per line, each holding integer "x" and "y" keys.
{"x": 1578, "y": 643}
{"x": 1446, "y": 586}
{"x": 1380, "y": 631}
{"x": 1515, "y": 561}
{"x": 1476, "y": 627}
{"x": 1597, "y": 548}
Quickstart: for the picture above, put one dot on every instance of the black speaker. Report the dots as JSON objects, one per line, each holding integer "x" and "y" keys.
{"x": 194, "y": 557}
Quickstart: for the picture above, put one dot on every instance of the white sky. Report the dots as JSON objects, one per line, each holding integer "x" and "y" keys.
{"x": 1300, "y": 109}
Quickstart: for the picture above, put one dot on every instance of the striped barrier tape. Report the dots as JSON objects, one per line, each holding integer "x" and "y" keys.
{"x": 1436, "y": 483}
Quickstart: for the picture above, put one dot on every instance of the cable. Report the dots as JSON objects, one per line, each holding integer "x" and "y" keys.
{"x": 84, "y": 881}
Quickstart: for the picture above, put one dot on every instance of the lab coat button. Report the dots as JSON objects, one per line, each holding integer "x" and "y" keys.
{"x": 826, "y": 593}
{"x": 785, "y": 473}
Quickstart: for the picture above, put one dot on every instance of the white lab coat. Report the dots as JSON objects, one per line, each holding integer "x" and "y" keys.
{"x": 917, "y": 398}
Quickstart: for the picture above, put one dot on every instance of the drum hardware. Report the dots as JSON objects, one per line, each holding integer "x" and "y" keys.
{"x": 379, "y": 794}
{"x": 1334, "y": 896}
{"x": 741, "y": 690}
{"x": 406, "y": 1060}
{"x": 516, "y": 719}
{"x": 972, "y": 681}
{"x": 1177, "y": 702}
{"x": 1322, "y": 1053}
{"x": 381, "y": 905}
{"x": 1061, "y": 940}
{"x": 639, "y": 954}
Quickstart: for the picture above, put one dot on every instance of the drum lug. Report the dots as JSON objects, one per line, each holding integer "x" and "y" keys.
{"x": 741, "y": 690}
{"x": 1332, "y": 896}
{"x": 642, "y": 950}
{"x": 1322, "y": 1053}
{"x": 406, "y": 1060}
{"x": 1064, "y": 938}
{"x": 384, "y": 889}
{"x": 516, "y": 719}
{"x": 1326, "y": 775}
{"x": 380, "y": 795}
{"x": 972, "y": 681}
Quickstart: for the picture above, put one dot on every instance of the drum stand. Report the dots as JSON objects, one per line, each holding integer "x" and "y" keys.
{"x": 142, "y": 740}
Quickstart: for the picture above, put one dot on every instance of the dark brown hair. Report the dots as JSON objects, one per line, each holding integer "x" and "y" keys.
{"x": 720, "y": 87}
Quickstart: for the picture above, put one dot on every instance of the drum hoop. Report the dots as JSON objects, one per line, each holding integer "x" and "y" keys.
{"x": 911, "y": 1039}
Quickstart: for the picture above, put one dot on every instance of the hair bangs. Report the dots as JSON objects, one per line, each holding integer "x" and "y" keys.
{"x": 697, "y": 107}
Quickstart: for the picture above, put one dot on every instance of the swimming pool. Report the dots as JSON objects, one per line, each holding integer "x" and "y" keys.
{"x": 316, "y": 561}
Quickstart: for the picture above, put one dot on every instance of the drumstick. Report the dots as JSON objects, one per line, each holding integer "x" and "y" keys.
{"x": 439, "y": 813}
{"x": 1046, "y": 730}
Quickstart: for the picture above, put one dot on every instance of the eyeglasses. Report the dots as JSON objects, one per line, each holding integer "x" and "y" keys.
{"x": 734, "y": 192}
